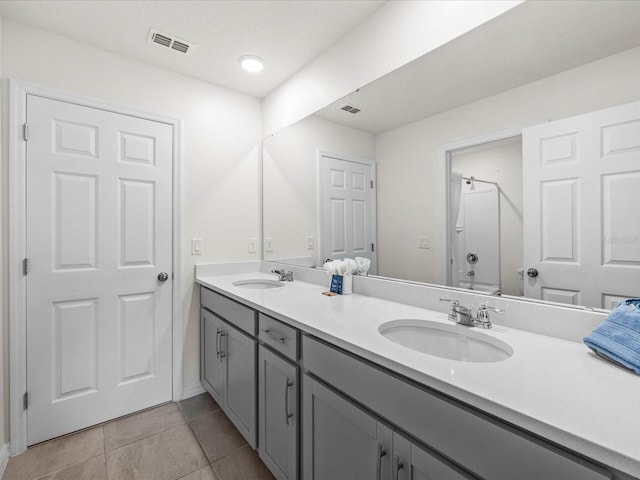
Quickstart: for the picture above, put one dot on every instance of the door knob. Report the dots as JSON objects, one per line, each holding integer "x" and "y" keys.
{"x": 472, "y": 257}
{"x": 532, "y": 272}
{"x": 163, "y": 276}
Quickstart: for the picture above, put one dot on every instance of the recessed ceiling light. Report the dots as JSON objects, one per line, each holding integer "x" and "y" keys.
{"x": 251, "y": 63}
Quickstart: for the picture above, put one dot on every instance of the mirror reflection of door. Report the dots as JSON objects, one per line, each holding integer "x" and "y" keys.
{"x": 488, "y": 197}
{"x": 347, "y": 209}
{"x": 581, "y": 192}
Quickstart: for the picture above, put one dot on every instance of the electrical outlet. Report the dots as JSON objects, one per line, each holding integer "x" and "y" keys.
{"x": 423, "y": 242}
{"x": 309, "y": 243}
{"x": 268, "y": 244}
{"x": 253, "y": 245}
{"x": 196, "y": 246}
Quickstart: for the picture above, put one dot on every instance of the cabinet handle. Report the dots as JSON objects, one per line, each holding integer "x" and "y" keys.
{"x": 223, "y": 353}
{"x": 275, "y": 337}
{"x": 381, "y": 453}
{"x": 397, "y": 466}
{"x": 287, "y": 415}
{"x": 217, "y": 343}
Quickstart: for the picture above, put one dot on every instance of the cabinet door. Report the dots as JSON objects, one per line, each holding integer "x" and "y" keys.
{"x": 412, "y": 462}
{"x": 239, "y": 354}
{"x": 278, "y": 414}
{"x": 340, "y": 440}
{"x": 212, "y": 366}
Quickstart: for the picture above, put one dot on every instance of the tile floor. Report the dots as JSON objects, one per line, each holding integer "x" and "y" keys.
{"x": 189, "y": 440}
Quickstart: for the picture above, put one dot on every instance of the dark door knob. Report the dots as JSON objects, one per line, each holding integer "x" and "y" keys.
{"x": 532, "y": 272}
{"x": 163, "y": 276}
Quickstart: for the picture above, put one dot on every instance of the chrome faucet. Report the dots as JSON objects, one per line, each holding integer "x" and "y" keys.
{"x": 283, "y": 275}
{"x": 464, "y": 316}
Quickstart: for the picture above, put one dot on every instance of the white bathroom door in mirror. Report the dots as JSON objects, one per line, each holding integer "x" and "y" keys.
{"x": 99, "y": 237}
{"x": 581, "y": 194}
{"x": 347, "y": 209}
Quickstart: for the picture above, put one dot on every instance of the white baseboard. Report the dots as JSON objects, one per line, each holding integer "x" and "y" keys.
{"x": 4, "y": 458}
{"x": 192, "y": 391}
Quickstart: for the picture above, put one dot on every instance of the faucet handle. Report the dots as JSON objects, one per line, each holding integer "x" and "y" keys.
{"x": 482, "y": 319}
{"x": 486, "y": 308}
{"x": 451, "y": 300}
{"x": 452, "y": 308}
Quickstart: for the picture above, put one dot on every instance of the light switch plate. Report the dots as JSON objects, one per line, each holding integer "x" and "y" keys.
{"x": 268, "y": 244}
{"x": 309, "y": 243}
{"x": 196, "y": 246}
{"x": 253, "y": 245}
{"x": 423, "y": 242}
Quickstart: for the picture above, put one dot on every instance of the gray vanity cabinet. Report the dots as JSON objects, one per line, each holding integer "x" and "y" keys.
{"x": 278, "y": 414}
{"x": 228, "y": 360}
{"x": 340, "y": 440}
{"x": 239, "y": 354}
{"x": 478, "y": 443}
{"x": 212, "y": 371}
{"x": 411, "y": 462}
{"x": 278, "y": 392}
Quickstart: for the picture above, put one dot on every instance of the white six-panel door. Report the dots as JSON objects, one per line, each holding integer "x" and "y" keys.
{"x": 581, "y": 195}
{"x": 347, "y": 210}
{"x": 99, "y": 232}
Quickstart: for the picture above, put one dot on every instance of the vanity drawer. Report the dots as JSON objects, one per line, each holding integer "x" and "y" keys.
{"x": 479, "y": 443}
{"x": 233, "y": 312}
{"x": 279, "y": 336}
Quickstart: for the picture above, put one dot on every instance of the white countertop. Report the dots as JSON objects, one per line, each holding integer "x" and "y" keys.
{"x": 551, "y": 387}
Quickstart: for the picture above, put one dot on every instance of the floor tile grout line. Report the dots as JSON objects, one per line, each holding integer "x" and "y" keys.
{"x": 201, "y": 447}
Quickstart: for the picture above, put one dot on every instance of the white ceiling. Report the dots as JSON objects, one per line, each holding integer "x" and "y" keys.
{"x": 287, "y": 34}
{"x": 532, "y": 41}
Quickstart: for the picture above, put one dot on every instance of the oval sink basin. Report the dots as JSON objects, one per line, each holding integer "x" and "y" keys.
{"x": 261, "y": 283}
{"x": 453, "y": 342}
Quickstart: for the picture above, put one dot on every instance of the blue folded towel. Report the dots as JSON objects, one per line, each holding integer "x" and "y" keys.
{"x": 618, "y": 336}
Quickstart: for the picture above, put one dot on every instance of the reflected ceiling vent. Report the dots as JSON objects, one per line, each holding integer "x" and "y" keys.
{"x": 169, "y": 41}
{"x": 350, "y": 109}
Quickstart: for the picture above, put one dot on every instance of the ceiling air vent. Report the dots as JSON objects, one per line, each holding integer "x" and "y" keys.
{"x": 350, "y": 109}
{"x": 169, "y": 41}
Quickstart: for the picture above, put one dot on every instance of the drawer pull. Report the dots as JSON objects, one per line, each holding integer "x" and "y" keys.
{"x": 217, "y": 343}
{"x": 223, "y": 353}
{"x": 381, "y": 453}
{"x": 397, "y": 466}
{"x": 286, "y": 401}
{"x": 275, "y": 337}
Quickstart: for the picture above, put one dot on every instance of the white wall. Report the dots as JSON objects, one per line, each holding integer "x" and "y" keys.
{"x": 397, "y": 33}
{"x": 220, "y": 148}
{"x": 409, "y": 184}
{"x": 290, "y": 187}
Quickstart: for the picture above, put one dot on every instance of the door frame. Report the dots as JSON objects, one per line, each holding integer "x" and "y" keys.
{"x": 445, "y": 154}
{"x": 18, "y": 91}
{"x": 320, "y": 154}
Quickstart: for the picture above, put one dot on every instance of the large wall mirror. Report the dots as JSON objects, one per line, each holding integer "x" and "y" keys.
{"x": 458, "y": 110}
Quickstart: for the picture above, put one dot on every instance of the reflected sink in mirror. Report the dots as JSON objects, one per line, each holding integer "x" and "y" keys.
{"x": 452, "y": 342}
{"x": 258, "y": 283}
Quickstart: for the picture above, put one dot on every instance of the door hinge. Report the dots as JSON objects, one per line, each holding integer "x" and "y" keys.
{"x": 373, "y": 248}
{"x": 25, "y": 400}
{"x": 25, "y": 132}
{"x": 371, "y": 183}
{"x": 25, "y": 266}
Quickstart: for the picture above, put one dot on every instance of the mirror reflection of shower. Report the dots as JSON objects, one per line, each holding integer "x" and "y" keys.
{"x": 486, "y": 218}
